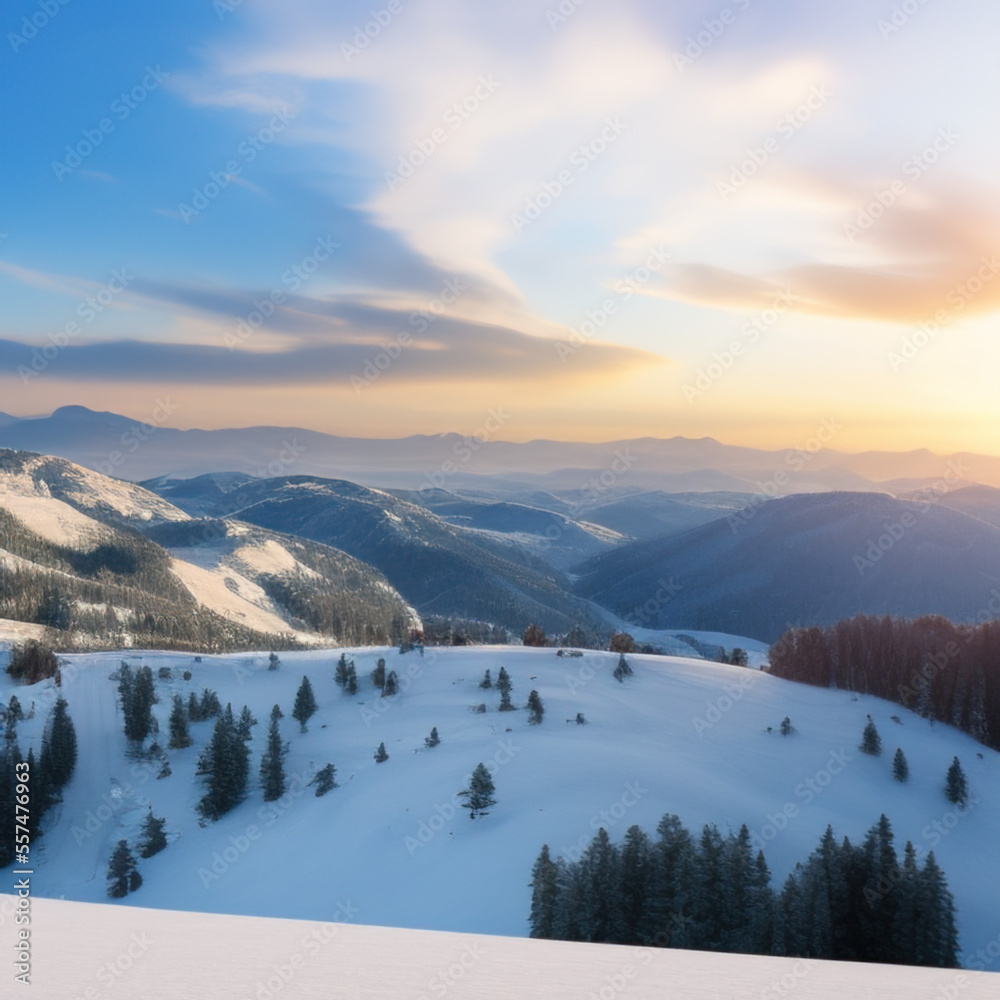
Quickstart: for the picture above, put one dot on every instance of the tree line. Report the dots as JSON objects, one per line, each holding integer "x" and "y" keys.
{"x": 940, "y": 670}
{"x": 858, "y": 903}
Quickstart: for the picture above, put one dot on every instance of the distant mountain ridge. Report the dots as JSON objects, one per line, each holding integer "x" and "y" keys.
{"x": 134, "y": 450}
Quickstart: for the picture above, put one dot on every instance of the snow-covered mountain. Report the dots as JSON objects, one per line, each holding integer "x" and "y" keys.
{"x": 681, "y": 736}
{"x": 109, "y": 562}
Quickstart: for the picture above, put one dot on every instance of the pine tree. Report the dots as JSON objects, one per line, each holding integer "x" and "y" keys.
{"x": 226, "y": 764}
{"x": 956, "y": 786}
{"x": 487, "y": 682}
{"x": 341, "y": 674}
{"x": 378, "y": 674}
{"x": 622, "y": 670}
{"x": 544, "y": 895}
{"x": 123, "y": 876}
{"x": 138, "y": 698}
{"x": 305, "y": 704}
{"x": 180, "y": 737}
{"x": 787, "y": 729}
{"x": 60, "y": 740}
{"x": 272, "y": 764}
{"x": 194, "y": 708}
{"x": 153, "y": 838}
{"x": 600, "y": 919}
{"x": 900, "y": 769}
{"x": 871, "y": 742}
{"x": 935, "y": 937}
{"x": 14, "y": 711}
{"x": 391, "y": 684}
{"x": 479, "y": 794}
{"x": 272, "y": 661}
{"x": 244, "y": 728}
{"x": 276, "y": 713}
{"x": 433, "y": 740}
{"x": 352, "y": 679}
{"x": 505, "y": 686}
{"x": 535, "y": 709}
{"x": 326, "y": 779}
{"x": 635, "y": 879}
{"x": 209, "y": 706}
{"x": 380, "y": 754}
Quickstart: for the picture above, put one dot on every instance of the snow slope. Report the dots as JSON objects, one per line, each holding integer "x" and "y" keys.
{"x": 159, "y": 955}
{"x": 683, "y": 736}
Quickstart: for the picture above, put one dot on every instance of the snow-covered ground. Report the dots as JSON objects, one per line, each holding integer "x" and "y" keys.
{"x": 682, "y": 735}
{"x": 84, "y": 950}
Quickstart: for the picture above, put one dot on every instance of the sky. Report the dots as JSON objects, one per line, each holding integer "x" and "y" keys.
{"x": 598, "y": 219}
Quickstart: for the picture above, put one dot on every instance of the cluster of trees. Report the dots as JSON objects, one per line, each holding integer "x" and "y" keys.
{"x": 137, "y": 690}
{"x": 225, "y": 764}
{"x": 503, "y": 683}
{"x": 32, "y": 662}
{"x": 346, "y": 675}
{"x": 47, "y": 774}
{"x": 123, "y": 873}
{"x": 847, "y": 902}
{"x": 942, "y": 671}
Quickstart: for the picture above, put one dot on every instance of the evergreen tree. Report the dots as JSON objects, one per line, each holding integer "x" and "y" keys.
{"x": 153, "y": 838}
{"x": 326, "y": 779}
{"x": 600, "y": 918}
{"x": 194, "y": 708}
{"x": 935, "y": 939}
{"x": 956, "y": 786}
{"x": 341, "y": 674}
{"x": 351, "y": 686}
{"x": 635, "y": 880}
{"x": 487, "y": 681}
{"x": 871, "y": 742}
{"x": 14, "y": 711}
{"x": 671, "y": 888}
{"x": 378, "y": 674}
{"x": 210, "y": 706}
{"x": 391, "y": 684}
{"x": 622, "y": 670}
{"x": 505, "y": 686}
{"x": 479, "y": 795}
{"x": 787, "y": 729}
{"x": 180, "y": 737}
{"x": 276, "y": 713}
{"x": 272, "y": 764}
{"x": 244, "y": 728}
{"x": 137, "y": 703}
{"x": 544, "y": 895}
{"x": 900, "y": 769}
{"x": 305, "y": 704}
{"x": 226, "y": 764}
{"x": 59, "y": 741}
{"x": 272, "y": 661}
{"x": 123, "y": 876}
{"x": 708, "y": 912}
{"x": 535, "y": 709}
{"x": 433, "y": 740}
{"x": 380, "y": 754}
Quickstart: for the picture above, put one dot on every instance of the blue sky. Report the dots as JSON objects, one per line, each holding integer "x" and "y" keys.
{"x": 628, "y": 219}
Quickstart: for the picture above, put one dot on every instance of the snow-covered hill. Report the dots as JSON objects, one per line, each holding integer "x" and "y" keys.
{"x": 682, "y": 736}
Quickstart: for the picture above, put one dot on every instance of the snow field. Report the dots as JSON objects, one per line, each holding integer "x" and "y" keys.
{"x": 394, "y": 847}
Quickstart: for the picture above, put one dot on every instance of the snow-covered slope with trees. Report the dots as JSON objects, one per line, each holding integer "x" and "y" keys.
{"x": 688, "y": 737}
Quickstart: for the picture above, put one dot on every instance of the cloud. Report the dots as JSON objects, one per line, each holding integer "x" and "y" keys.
{"x": 933, "y": 249}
